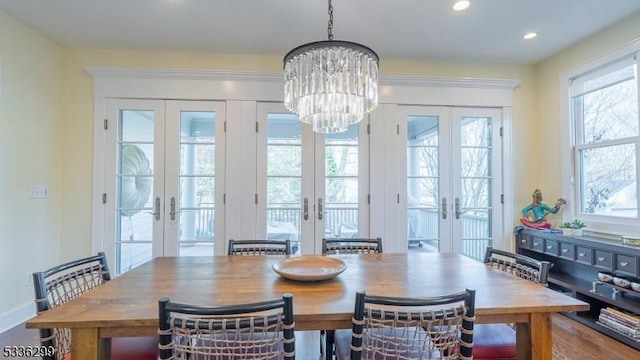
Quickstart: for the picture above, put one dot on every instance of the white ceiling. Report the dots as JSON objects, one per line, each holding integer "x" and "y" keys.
{"x": 489, "y": 31}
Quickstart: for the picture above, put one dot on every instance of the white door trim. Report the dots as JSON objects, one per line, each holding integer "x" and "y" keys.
{"x": 187, "y": 84}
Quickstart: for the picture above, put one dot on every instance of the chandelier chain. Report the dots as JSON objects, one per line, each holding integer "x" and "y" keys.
{"x": 330, "y": 26}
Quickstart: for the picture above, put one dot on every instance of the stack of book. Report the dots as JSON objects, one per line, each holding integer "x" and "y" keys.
{"x": 620, "y": 322}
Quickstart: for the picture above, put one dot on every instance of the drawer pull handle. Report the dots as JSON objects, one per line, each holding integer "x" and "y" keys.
{"x": 581, "y": 254}
{"x": 524, "y": 241}
{"x": 536, "y": 244}
{"x": 549, "y": 247}
{"x": 565, "y": 250}
{"x": 601, "y": 258}
{"x": 624, "y": 264}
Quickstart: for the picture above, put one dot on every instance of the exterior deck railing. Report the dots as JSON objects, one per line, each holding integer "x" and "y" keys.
{"x": 341, "y": 220}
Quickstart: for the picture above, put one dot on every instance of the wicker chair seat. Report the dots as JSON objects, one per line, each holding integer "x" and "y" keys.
{"x": 498, "y": 341}
{"x": 66, "y": 282}
{"x": 256, "y": 331}
{"x": 409, "y": 328}
{"x": 410, "y": 350}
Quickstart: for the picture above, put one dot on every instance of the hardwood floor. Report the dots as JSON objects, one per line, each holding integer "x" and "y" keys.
{"x": 571, "y": 341}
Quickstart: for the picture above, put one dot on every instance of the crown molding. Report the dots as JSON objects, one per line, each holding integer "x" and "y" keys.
{"x": 218, "y": 75}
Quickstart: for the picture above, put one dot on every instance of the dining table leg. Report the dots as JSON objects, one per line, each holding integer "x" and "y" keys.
{"x": 541, "y": 347}
{"x": 86, "y": 344}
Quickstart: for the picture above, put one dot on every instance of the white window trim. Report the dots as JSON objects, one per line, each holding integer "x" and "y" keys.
{"x": 601, "y": 225}
{"x": 185, "y": 84}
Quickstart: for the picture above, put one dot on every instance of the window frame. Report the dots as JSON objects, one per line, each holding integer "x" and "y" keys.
{"x": 571, "y": 146}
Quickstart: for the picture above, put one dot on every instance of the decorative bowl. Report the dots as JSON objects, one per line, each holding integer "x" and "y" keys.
{"x": 310, "y": 268}
{"x": 604, "y": 277}
{"x": 635, "y": 286}
{"x": 621, "y": 282}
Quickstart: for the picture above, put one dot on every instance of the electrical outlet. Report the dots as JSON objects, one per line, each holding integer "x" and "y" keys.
{"x": 38, "y": 192}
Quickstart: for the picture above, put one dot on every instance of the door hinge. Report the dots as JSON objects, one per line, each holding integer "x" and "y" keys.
{"x": 368, "y": 198}
{"x": 106, "y": 124}
{"x": 104, "y": 198}
{"x": 256, "y": 198}
{"x": 257, "y": 127}
{"x": 398, "y": 199}
{"x": 225, "y": 126}
{"x": 501, "y": 198}
{"x": 368, "y": 129}
{"x": 501, "y": 131}
{"x": 224, "y": 198}
{"x": 398, "y": 129}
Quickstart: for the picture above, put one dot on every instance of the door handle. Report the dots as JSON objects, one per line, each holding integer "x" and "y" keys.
{"x": 320, "y": 208}
{"x": 156, "y": 209}
{"x": 444, "y": 208}
{"x": 458, "y": 212}
{"x": 305, "y": 209}
{"x": 172, "y": 209}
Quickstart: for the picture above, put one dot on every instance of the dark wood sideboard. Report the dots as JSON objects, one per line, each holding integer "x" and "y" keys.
{"x": 576, "y": 263}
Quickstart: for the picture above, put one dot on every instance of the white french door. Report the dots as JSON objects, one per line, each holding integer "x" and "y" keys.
{"x": 164, "y": 179}
{"x": 453, "y": 171}
{"x": 313, "y": 185}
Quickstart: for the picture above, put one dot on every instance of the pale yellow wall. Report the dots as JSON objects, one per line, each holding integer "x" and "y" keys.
{"x": 547, "y": 172}
{"x": 30, "y": 143}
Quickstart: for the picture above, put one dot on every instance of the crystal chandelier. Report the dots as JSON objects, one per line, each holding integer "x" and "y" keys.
{"x": 331, "y": 84}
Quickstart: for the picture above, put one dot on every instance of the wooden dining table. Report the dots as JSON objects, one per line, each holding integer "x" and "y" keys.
{"x": 128, "y": 304}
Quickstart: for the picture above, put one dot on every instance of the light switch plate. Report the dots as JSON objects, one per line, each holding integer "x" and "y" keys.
{"x": 38, "y": 192}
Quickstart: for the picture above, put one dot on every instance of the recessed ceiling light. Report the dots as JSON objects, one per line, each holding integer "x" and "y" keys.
{"x": 461, "y": 5}
{"x": 529, "y": 36}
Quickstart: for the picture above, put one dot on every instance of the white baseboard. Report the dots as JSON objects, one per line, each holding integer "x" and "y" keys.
{"x": 17, "y": 316}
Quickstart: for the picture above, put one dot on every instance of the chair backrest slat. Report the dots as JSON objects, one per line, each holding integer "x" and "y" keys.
{"x": 519, "y": 265}
{"x": 62, "y": 283}
{"x": 260, "y": 330}
{"x": 259, "y": 247}
{"x": 413, "y": 328}
{"x": 332, "y": 246}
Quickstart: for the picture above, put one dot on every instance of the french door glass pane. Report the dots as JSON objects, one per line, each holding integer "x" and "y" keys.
{"x": 284, "y": 177}
{"x": 341, "y": 183}
{"x": 476, "y": 181}
{"x": 423, "y": 181}
{"x": 197, "y": 179}
{"x": 134, "y": 182}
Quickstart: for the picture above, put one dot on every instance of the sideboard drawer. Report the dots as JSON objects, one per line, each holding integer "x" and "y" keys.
{"x": 551, "y": 247}
{"x": 583, "y": 255}
{"x": 627, "y": 265}
{"x": 567, "y": 251}
{"x": 537, "y": 244}
{"x": 604, "y": 259}
{"x": 525, "y": 241}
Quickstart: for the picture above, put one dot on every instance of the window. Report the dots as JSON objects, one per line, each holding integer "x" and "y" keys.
{"x": 603, "y": 107}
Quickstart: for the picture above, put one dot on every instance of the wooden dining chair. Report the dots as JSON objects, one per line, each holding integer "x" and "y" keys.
{"x": 331, "y": 246}
{"x": 259, "y": 247}
{"x": 498, "y": 341}
{"x": 409, "y": 328}
{"x": 62, "y": 283}
{"x": 259, "y": 330}
{"x": 334, "y": 246}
